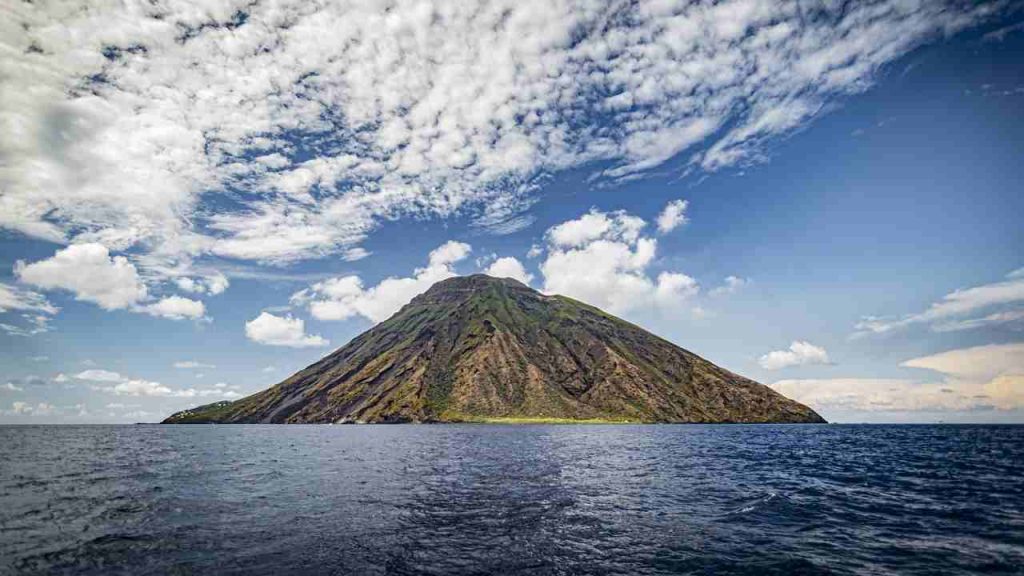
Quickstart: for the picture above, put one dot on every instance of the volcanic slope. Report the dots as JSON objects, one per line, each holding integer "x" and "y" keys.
{"x": 479, "y": 349}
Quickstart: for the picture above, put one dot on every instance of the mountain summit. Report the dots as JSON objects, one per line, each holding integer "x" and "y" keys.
{"x": 477, "y": 348}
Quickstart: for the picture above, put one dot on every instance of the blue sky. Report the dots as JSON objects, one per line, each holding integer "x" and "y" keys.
{"x": 847, "y": 207}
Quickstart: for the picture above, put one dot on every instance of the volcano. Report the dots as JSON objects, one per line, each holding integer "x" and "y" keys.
{"x": 483, "y": 349}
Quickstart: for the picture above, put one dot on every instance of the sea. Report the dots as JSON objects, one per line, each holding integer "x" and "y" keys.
{"x": 515, "y": 499}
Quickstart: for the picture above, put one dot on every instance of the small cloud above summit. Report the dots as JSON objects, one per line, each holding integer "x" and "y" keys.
{"x": 601, "y": 258}
{"x": 604, "y": 259}
{"x": 509, "y": 267}
{"x": 345, "y": 297}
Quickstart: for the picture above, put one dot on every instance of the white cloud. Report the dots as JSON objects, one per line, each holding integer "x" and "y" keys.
{"x": 509, "y": 267}
{"x": 594, "y": 225}
{"x": 191, "y": 364}
{"x": 731, "y": 285}
{"x": 176, "y": 308}
{"x": 113, "y": 135}
{"x": 148, "y": 388}
{"x": 114, "y": 383}
{"x": 982, "y": 377}
{"x": 281, "y": 331}
{"x": 977, "y": 363}
{"x": 37, "y": 324}
{"x": 672, "y": 216}
{"x": 345, "y": 297}
{"x": 141, "y": 388}
{"x": 11, "y": 387}
{"x": 993, "y": 319}
{"x": 449, "y": 253}
{"x": 602, "y": 259}
{"x": 953, "y": 311}
{"x": 61, "y": 378}
{"x": 214, "y": 284}
{"x": 268, "y": 369}
{"x": 97, "y": 375}
{"x": 800, "y": 353}
{"x": 674, "y": 287}
{"x": 14, "y": 298}
{"x": 26, "y": 409}
{"x": 113, "y": 282}
{"x": 865, "y": 394}
{"x": 354, "y": 254}
{"x": 88, "y": 271}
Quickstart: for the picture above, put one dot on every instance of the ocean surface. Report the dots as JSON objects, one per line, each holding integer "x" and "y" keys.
{"x": 488, "y": 499}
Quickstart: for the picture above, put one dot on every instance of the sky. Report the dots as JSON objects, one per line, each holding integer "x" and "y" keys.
{"x": 197, "y": 200}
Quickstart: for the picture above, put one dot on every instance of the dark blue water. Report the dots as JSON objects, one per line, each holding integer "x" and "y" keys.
{"x": 467, "y": 499}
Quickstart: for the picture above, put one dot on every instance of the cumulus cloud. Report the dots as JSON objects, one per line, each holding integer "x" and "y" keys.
{"x": 281, "y": 331}
{"x": 978, "y": 378}
{"x": 800, "y": 353}
{"x": 88, "y": 271}
{"x": 672, "y": 216}
{"x": 595, "y": 225}
{"x": 92, "y": 274}
{"x": 97, "y": 375}
{"x": 732, "y": 285}
{"x": 191, "y": 364}
{"x": 176, "y": 308}
{"x": 147, "y": 388}
{"x": 313, "y": 123}
{"x": 214, "y": 284}
{"x": 115, "y": 383}
{"x": 11, "y": 387}
{"x": 345, "y": 297}
{"x": 961, "y": 309}
{"x": 509, "y": 267}
{"x": 603, "y": 259}
{"x": 141, "y": 387}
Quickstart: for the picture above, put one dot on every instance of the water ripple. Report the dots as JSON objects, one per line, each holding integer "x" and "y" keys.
{"x": 466, "y": 499}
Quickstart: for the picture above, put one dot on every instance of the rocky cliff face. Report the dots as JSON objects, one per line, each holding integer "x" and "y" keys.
{"x": 477, "y": 348}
